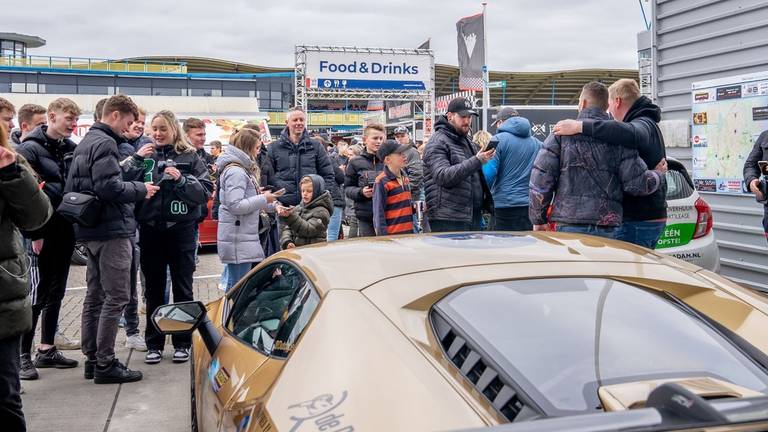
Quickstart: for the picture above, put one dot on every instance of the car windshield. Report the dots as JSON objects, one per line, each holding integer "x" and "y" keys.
{"x": 561, "y": 339}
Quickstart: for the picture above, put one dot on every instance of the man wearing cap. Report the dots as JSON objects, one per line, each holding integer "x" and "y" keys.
{"x": 415, "y": 166}
{"x": 455, "y": 188}
{"x": 509, "y": 172}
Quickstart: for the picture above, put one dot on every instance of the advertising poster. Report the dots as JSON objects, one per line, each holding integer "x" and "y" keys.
{"x": 728, "y": 116}
{"x": 359, "y": 70}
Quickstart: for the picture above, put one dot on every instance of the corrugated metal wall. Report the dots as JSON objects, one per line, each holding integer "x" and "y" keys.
{"x": 697, "y": 40}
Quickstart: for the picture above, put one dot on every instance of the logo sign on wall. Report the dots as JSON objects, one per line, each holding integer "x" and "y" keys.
{"x": 368, "y": 70}
{"x": 399, "y": 110}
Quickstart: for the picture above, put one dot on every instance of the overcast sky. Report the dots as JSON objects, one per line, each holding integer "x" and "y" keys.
{"x": 523, "y": 35}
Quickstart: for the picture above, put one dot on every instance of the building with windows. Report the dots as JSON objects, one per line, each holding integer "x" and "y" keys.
{"x": 215, "y": 88}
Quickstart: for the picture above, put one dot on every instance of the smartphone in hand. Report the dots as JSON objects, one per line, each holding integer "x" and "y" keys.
{"x": 492, "y": 144}
{"x": 279, "y": 192}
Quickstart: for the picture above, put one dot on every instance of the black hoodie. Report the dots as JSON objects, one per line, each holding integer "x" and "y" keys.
{"x": 638, "y": 131}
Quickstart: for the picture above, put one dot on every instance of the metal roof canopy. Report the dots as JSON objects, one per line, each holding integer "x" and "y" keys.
{"x": 303, "y": 93}
{"x": 27, "y": 40}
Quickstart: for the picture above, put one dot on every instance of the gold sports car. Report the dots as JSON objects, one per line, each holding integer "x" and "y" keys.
{"x": 521, "y": 332}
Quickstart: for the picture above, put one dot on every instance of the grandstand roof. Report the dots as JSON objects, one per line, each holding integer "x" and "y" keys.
{"x": 523, "y": 88}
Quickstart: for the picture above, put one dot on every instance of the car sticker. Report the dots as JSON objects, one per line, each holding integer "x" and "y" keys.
{"x": 323, "y": 413}
{"x": 681, "y": 224}
{"x": 217, "y": 375}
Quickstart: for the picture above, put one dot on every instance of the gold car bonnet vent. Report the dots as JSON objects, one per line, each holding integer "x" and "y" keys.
{"x": 481, "y": 373}
{"x": 632, "y": 395}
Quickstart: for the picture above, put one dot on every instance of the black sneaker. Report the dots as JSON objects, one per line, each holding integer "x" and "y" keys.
{"x": 90, "y": 366}
{"x": 115, "y": 373}
{"x": 53, "y": 358}
{"x": 28, "y": 370}
{"x": 153, "y": 356}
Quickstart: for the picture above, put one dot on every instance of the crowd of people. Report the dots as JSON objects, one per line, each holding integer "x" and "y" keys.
{"x": 601, "y": 174}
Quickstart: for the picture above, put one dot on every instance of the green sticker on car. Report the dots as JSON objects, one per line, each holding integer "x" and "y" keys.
{"x": 679, "y": 234}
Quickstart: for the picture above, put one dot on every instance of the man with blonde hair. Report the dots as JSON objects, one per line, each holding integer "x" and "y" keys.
{"x": 360, "y": 177}
{"x": 49, "y": 152}
{"x": 635, "y": 126}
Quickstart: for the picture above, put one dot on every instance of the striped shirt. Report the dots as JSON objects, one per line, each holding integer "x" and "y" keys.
{"x": 392, "y": 204}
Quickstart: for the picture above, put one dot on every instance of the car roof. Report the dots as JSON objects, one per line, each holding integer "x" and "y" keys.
{"x": 358, "y": 263}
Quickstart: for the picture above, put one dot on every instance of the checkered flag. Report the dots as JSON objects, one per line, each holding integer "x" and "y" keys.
{"x": 471, "y": 42}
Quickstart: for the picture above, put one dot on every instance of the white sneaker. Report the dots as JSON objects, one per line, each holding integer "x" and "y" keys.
{"x": 64, "y": 343}
{"x": 136, "y": 342}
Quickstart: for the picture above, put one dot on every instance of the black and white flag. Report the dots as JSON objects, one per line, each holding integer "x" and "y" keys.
{"x": 470, "y": 38}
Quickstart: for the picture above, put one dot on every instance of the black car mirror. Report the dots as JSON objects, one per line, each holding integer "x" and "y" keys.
{"x": 178, "y": 318}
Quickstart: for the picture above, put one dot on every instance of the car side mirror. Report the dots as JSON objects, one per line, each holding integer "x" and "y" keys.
{"x": 179, "y": 318}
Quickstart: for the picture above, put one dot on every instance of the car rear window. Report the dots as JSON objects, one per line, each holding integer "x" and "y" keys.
{"x": 561, "y": 339}
{"x": 677, "y": 185}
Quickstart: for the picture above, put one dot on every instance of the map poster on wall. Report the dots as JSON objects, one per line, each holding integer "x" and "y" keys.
{"x": 728, "y": 116}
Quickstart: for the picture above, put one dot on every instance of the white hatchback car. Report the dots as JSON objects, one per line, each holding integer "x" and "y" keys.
{"x": 688, "y": 234}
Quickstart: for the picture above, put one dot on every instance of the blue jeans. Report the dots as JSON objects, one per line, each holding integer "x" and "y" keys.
{"x": 641, "y": 233}
{"x": 235, "y": 272}
{"x": 595, "y": 230}
{"x": 335, "y": 224}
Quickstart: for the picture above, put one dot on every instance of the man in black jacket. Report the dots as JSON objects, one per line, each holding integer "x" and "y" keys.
{"x": 295, "y": 155}
{"x": 49, "y": 152}
{"x": 753, "y": 175}
{"x": 360, "y": 176}
{"x": 644, "y": 216}
{"x": 455, "y": 188}
{"x": 96, "y": 169}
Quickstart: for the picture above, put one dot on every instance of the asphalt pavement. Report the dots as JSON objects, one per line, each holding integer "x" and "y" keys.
{"x": 62, "y": 400}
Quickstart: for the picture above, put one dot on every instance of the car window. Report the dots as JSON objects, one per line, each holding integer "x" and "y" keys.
{"x": 677, "y": 186}
{"x": 562, "y": 339}
{"x": 265, "y": 302}
{"x": 296, "y": 319}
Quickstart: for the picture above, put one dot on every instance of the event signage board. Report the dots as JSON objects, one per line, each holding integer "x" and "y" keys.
{"x": 368, "y": 70}
{"x": 728, "y": 115}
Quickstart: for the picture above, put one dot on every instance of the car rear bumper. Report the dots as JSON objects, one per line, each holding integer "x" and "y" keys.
{"x": 702, "y": 252}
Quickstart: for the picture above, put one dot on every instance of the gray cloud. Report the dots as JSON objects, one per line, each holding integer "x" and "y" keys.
{"x": 523, "y": 35}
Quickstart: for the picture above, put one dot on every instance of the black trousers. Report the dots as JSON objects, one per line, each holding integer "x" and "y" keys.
{"x": 11, "y": 415}
{"x": 364, "y": 228}
{"x": 163, "y": 249}
{"x": 53, "y": 265}
{"x": 439, "y": 225}
{"x": 512, "y": 219}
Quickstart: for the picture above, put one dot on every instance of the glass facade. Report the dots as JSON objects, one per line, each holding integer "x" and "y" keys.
{"x": 273, "y": 93}
{"x": 12, "y": 49}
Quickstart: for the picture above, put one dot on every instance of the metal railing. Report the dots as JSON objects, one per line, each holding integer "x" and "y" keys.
{"x": 92, "y": 64}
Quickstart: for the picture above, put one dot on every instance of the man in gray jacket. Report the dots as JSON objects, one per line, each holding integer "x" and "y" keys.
{"x": 583, "y": 179}
{"x": 414, "y": 165}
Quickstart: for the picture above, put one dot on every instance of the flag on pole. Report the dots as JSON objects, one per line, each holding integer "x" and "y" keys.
{"x": 471, "y": 41}
{"x": 426, "y": 44}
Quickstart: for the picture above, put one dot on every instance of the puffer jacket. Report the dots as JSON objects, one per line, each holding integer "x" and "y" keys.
{"x": 51, "y": 159}
{"x": 509, "y": 172}
{"x": 638, "y": 131}
{"x": 453, "y": 179}
{"x": 414, "y": 167}
{"x": 292, "y": 161}
{"x": 308, "y": 223}
{"x": 759, "y": 153}
{"x": 22, "y": 206}
{"x": 361, "y": 172}
{"x": 239, "y": 213}
{"x": 182, "y": 201}
{"x": 96, "y": 168}
{"x": 588, "y": 179}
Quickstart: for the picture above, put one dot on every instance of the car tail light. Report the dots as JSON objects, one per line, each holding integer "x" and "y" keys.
{"x": 703, "y": 220}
